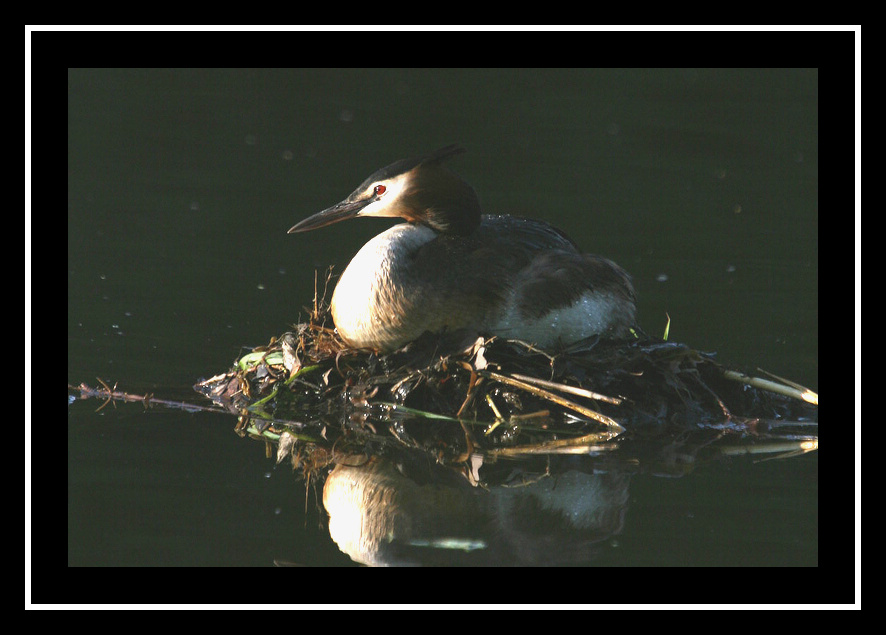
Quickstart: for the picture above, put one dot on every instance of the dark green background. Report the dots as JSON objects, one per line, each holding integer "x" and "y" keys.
{"x": 182, "y": 183}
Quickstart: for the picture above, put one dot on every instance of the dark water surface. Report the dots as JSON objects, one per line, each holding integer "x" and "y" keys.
{"x": 182, "y": 184}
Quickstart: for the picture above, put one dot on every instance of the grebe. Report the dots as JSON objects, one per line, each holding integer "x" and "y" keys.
{"x": 451, "y": 269}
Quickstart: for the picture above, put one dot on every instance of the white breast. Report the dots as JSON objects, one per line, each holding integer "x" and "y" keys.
{"x": 367, "y": 306}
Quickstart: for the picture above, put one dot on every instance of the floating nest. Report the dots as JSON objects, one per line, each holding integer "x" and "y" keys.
{"x": 495, "y": 452}
{"x": 645, "y": 405}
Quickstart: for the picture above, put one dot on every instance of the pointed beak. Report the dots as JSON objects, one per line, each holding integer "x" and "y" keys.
{"x": 338, "y": 212}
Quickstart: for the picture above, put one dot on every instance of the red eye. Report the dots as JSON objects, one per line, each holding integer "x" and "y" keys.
{"x": 380, "y": 189}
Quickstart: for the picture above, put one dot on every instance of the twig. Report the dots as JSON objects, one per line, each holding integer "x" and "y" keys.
{"x": 148, "y": 400}
{"x": 787, "y": 448}
{"x": 614, "y": 427}
{"x": 579, "y": 445}
{"x": 573, "y": 390}
{"x": 796, "y": 391}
